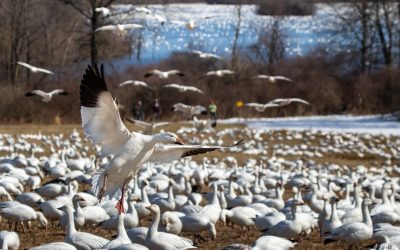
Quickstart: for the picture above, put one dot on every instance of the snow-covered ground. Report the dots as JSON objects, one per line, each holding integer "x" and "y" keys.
{"x": 374, "y": 124}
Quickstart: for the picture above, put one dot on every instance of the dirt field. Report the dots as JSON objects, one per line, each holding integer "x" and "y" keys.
{"x": 226, "y": 235}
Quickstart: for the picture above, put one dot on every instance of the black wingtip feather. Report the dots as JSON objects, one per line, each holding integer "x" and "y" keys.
{"x": 92, "y": 84}
{"x": 29, "y": 94}
{"x": 237, "y": 143}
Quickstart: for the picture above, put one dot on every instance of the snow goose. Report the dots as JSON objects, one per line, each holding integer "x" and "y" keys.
{"x": 46, "y": 96}
{"x": 272, "y": 243}
{"x": 272, "y": 79}
{"x": 183, "y": 88}
{"x": 171, "y": 222}
{"x": 102, "y": 123}
{"x": 290, "y": 229}
{"x": 263, "y": 223}
{"x": 147, "y": 127}
{"x": 284, "y": 102}
{"x": 166, "y": 204}
{"x": 197, "y": 223}
{"x": 333, "y": 222}
{"x": 158, "y": 240}
{"x": 29, "y": 198}
{"x": 122, "y": 237}
{"x": 79, "y": 218}
{"x": 213, "y": 210}
{"x": 34, "y": 69}
{"x": 242, "y": 216}
{"x": 189, "y": 111}
{"x": 54, "y": 246}
{"x": 94, "y": 215}
{"x": 135, "y": 83}
{"x": 191, "y": 24}
{"x": 81, "y": 240}
{"x": 51, "y": 190}
{"x": 130, "y": 219}
{"x": 206, "y": 55}
{"x": 163, "y": 74}
{"x": 9, "y": 240}
{"x": 354, "y": 232}
{"x": 259, "y": 107}
{"x": 22, "y": 213}
{"x": 121, "y": 28}
{"x": 103, "y": 10}
{"x": 218, "y": 73}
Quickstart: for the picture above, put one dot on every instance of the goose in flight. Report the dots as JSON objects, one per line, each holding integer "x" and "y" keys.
{"x": 163, "y": 74}
{"x": 183, "y": 88}
{"x": 143, "y": 9}
{"x": 120, "y": 27}
{"x": 102, "y": 123}
{"x": 34, "y": 69}
{"x": 261, "y": 107}
{"x": 46, "y": 97}
{"x": 135, "y": 83}
{"x": 189, "y": 111}
{"x": 281, "y": 102}
{"x": 191, "y": 24}
{"x": 219, "y": 73}
{"x": 103, "y": 10}
{"x": 147, "y": 127}
{"x": 272, "y": 79}
{"x": 206, "y": 55}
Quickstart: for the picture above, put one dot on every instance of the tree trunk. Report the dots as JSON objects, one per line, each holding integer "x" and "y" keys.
{"x": 93, "y": 44}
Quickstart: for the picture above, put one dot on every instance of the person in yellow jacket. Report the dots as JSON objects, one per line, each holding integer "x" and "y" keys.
{"x": 212, "y": 108}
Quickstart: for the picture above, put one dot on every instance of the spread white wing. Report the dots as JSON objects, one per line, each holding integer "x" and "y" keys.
{"x": 101, "y": 120}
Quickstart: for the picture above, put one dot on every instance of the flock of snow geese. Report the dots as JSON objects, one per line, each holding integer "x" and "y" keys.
{"x": 277, "y": 187}
{"x": 273, "y": 185}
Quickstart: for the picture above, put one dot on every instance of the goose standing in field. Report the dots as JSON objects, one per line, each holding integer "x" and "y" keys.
{"x": 219, "y": 73}
{"x": 272, "y": 79}
{"x": 9, "y": 240}
{"x": 158, "y": 240}
{"x": 135, "y": 83}
{"x": 290, "y": 229}
{"x": 21, "y": 213}
{"x": 130, "y": 218}
{"x": 46, "y": 96}
{"x": 81, "y": 240}
{"x": 34, "y": 69}
{"x": 163, "y": 74}
{"x": 122, "y": 237}
{"x": 54, "y": 246}
{"x": 183, "y": 88}
{"x": 261, "y": 107}
{"x": 272, "y": 243}
{"x": 206, "y": 55}
{"x": 333, "y": 222}
{"x": 121, "y": 28}
{"x": 281, "y": 102}
{"x": 102, "y": 123}
{"x": 354, "y": 232}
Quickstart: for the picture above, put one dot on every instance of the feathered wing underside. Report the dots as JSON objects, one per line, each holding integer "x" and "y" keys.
{"x": 167, "y": 153}
{"x": 101, "y": 120}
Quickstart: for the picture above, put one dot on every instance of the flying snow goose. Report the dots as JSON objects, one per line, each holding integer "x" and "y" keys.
{"x": 272, "y": 79}
{"x": 219, "y": 73}
{"x": 281, "y": 102}
{"x": 261, "y": 107}
{"x": 189, "y": 110}
{"x": 191, "y": 24}
{"x": 163, "y": 74}
{"x": 80, "y": 240}
{"x": 354, "y": 232}
{"x": 9, "y": 240}
{"x": 103, "y": 10}
{"x": 102, "y": 123}
{"x": 134, "y": 83}
{"x": 183, "y": 88}
{"x": 46, "y": 96}
{"x": 147, "y": 127}
{"x": 206, "y": 55}
{"x": 120, "y": 27}
{"x": 34, "y": 69}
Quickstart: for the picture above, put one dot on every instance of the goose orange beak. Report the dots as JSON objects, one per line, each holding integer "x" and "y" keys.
{"x": 179, "y": 141}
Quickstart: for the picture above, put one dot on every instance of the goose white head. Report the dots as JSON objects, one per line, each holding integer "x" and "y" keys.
{"x": 153, "y": 209}
{"x": 168, "y": 137}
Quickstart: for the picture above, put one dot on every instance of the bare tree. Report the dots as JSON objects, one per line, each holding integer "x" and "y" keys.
{"x": 87, "y": 10}
{"x": 385, "y": 27}
{"x": 237, "y": 31}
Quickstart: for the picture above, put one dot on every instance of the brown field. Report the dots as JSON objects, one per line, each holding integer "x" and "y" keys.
{"x": 226, "y": 234}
